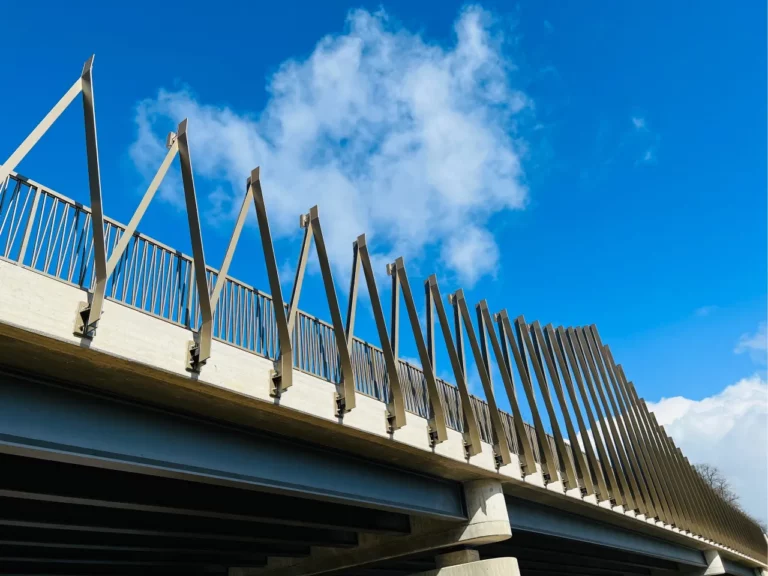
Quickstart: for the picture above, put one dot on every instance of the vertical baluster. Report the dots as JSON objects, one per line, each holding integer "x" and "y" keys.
{"x": 64, "y": 249}
{"x": 86, "y": 251}
{"x": 30, "y": 222}
{"x": 173, "y": 310}
{"x": 48, "y": 242}
{"x": 138, "y": 279}
{"x": 130, "y": 272}
{"x": 40, "y": 233}
{"x": 17, "y": 225}
{"x": 10, "y": 211}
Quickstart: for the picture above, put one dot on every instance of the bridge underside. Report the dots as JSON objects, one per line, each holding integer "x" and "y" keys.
{"x": 541, "y": 555}
{"x": 114, "y": 487}
{"x": 62, "y": 518}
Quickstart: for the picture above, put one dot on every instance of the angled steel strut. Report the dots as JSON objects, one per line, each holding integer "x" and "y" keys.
{"x": 395, "y": 401}
{"x": 345, "y": 394}
{"x": 88, "y": 313}
{"x": 437, "y": 429}
{"x": 434, "y": 302}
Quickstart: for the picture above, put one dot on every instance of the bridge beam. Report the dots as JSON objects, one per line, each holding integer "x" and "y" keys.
{"x": 96, "y": 431}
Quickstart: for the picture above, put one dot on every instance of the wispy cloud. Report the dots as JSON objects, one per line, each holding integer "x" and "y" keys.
{"x": 704, "y": 311}
{"x": 414, "y": 143}
{"x": 644, "y": 140}
{"x": 755, "y": 344}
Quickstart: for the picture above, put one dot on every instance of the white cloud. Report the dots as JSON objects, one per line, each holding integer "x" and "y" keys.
{"x": 756, "y": 345}
{"x": 413, "y": 143}
{"x": 473, "y": 254}
{"x": 728, "y": 430}
{"x": 638, "y": 122}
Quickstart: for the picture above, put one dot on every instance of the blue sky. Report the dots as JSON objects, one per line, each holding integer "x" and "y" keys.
{"x": 574, "y": 162}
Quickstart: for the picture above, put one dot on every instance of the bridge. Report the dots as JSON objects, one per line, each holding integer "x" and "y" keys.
{"x": 158, "y": 416}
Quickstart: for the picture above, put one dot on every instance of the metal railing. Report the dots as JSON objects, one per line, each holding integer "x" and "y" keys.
{"x": 49, "y": 233}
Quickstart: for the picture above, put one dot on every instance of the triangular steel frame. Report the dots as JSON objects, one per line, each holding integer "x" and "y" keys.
{"x": 345, "y": 389}
{"x": 396, "y": 401}
{"x": 437, "y": 429}
{"x": 501, "y": 451}
{"x": 434, "y": 302}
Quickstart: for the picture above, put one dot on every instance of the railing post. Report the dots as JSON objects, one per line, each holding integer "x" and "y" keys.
{"x": 90, "y": 313}
{"x": 500, "y": 444}
{"x": 437, "y": 429}
{"x": 395, "y": 402}
{"x": 28, "y": 227}
{"x": 345, "y": 396}
{"x": 282, "y": 375}
{"x": 472, "y": 444}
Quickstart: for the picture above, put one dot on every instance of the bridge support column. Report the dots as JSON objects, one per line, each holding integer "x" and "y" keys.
{"x": 715, "y": 565}
{"x": 488, "y": 522}
{"x": 468, "y": 563}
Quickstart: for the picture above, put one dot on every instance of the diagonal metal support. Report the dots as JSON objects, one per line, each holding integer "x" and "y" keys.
{"x": 579, "y": 347}
{"x": 665, "y": 472}
{"x": 345, "y": 393}
{"x": 90, "y": 313}
{"x": 282, "y": 375}
{"x": 657, "y": 499}
{"x": 221, "y": 278}
{"x": 622, "y": 441}
{"x": 301, "y": 268}
{"x": 200, "y": 348}
{"x": 527, "y": 342}
{"x": 500, "y": 442}
{"x": 548, "y": 462}
{"x": 555, "y": 349}
{"x": 527, "y": 460}
{"x": 396, "y": 401}
{"x": 472, "y": 444}
{"x": 663, "y": 481}
{"x": 130, "y": 229}
{"x": 34, "y": 137}
{"x": 544, "y": 354}
{"x": 437, "y": 429}
{"x": 568, "y": 345}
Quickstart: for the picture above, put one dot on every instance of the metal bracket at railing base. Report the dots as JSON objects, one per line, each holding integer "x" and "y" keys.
{"x": 81, "y": 318}
{"x": 467, "y": 446}
{"x": 434, "y": 435}
{"x": 276, "y": 389}
{"x": 391, "y": 419}
{"x": 193, "y": 357}
{"x": 498, "y": 459}
{"x": 341, "y": 405}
